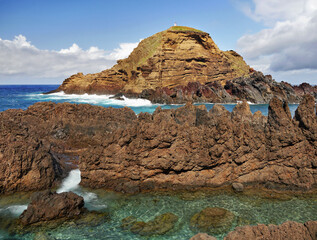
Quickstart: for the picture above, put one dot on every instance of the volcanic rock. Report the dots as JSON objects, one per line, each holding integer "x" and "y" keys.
{"x": 47, "y": 206}
{"x": 183, "y": 148}
{"x": 286, "y": 231}
{"x": 34, "y": 144}
{"x": 181, "y": 64}
{"x": 202, "y": 236}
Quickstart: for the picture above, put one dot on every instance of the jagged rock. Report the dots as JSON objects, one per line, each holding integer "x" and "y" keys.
{"x": 202, "y": 236}
{"x": 181, "y": 64}
{"x": 183, "y": 148}
{"x": 286, "y": 231}
{"x": 34, "y": 144}
{"x": 47, "y": 206}
{"x": 159, "y": 225}
{"x": 212, "y": 220}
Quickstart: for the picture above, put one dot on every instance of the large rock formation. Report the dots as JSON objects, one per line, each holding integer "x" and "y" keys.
{"x": 184, "y": 148}
{"x": 36, "y": 143}
{"x": 189, "y": 147}
{"x": 181, "y": 64}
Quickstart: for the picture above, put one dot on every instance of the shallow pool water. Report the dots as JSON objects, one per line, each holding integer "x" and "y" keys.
{"x": 248, "y": 209}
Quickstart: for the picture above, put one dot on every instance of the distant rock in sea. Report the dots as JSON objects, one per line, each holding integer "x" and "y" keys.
{"x": 182, "y": 64}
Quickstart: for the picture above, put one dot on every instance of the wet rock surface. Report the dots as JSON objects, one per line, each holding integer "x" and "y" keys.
{"x": 48, "y": 206}
{"x": 185, "y": 148}
{"x": 159, "y": 225}
{"x": 212, "y": 220}
{"x": 286, "y": 231}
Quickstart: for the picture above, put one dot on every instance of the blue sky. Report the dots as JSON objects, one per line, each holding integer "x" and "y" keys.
{"x": 47, "y": 41}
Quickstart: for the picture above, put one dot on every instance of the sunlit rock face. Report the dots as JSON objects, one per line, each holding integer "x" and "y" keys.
{"x": 181, "y": 64}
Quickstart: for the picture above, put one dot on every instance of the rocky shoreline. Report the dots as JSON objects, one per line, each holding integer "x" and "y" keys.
{"x": 185, "y": 148}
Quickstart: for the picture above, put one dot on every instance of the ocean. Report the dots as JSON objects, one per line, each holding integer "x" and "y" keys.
{"x": 248, "y": 209}
{"x": 22, "y": 96}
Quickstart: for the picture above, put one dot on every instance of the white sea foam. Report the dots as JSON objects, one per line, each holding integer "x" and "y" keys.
{"x": 71, "y": 182}
{"x": 102, "y": 100}
{"x": 15, "y": 210}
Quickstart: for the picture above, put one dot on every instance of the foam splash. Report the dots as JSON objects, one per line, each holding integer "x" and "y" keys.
{"x": 103, "y": 100}
{"x": 71, "y": 182}
{"x": 15, "y": 210}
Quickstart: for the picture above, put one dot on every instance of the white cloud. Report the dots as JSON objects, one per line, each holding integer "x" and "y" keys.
{"x": 18, "y": 57}
{"x": 289, "y": 42}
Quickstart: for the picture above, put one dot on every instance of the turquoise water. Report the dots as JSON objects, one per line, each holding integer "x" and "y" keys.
{"x": 247, "y": 209}
{"x": 22, "y": 96}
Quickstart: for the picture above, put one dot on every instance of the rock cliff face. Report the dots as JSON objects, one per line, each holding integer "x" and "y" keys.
{"x": 181, "y": 64}
{"x": 184, "y": 148}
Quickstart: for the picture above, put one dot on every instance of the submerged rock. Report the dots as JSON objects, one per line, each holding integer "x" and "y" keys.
{"x": 286, "y": 231}
{"x": 159, "y": 225}
{"x": 212, "y": 220}
{"x": 47, "y": 206}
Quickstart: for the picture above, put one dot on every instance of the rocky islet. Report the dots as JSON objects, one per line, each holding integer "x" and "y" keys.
{"x": 184, "y": 64}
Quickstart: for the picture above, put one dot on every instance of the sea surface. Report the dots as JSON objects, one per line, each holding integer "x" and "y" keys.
{"x": 22, "y": 96}
{"x": 248, "y": 208}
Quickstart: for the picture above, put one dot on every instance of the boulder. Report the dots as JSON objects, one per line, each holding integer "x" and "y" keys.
{"x": 48, "y": 206}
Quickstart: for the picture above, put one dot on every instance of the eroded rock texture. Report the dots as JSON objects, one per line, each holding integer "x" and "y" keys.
{"x": 184, "y": 148}
{"x": 181, "y": 64}
{"x": 189, "y": 147}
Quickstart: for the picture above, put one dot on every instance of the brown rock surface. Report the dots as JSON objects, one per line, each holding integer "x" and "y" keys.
{"x": 34, "y": 144}
{"x": 167, "y": 59}
{"x": 184, "y": 148}
{"x": 47, "y": 206}
{"x": 189, "y": 147}
{"x": 286, "y": 231}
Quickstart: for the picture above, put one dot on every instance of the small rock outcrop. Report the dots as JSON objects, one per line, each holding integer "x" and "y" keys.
{"x": 48, "y": 206}
{"x": 286, "y": 231}
{"x": 184, "y": 64}
{"x": 159, "y": 225}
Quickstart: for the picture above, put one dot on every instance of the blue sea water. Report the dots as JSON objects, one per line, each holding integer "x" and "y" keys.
{"x": 248, "y": 209}
{"x": 22, "y": 96}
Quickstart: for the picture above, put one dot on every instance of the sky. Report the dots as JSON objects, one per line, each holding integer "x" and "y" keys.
{"x": 44, "y": 42}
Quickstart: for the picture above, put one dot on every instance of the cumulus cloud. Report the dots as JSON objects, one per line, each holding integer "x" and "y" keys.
{"x": 18, "y": 57}
{"x": 289, "y": 41}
